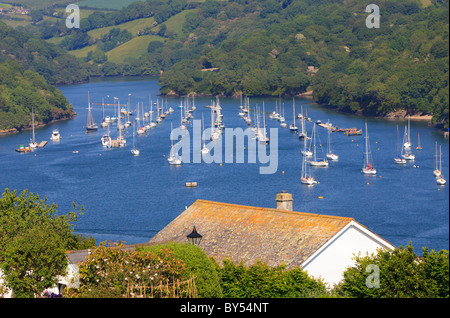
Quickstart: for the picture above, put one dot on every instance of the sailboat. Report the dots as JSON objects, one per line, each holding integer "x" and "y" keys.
{"x": 33, "y": 142}
{"x": 406, "y": 152}
{"x": 106, "y": 120}
{"x": 367, "y": 164}
{"x": 399, "y": 159}
{"x": 436, "y": 171}
{"x": 330, "y": 154}
{"x": 293, "y": 127}
{"x": 134, "y": 150}
{"x": 205, "y": 150}
{"x": 302, "y": 134}
{"x": 262, "y": 137}
{"x": 440, "y": 180}
{"x": 418, "y": 142}
{"x": 282, "y": 119}
{"x": 173, "y": 161}
{"x": 247, "y": 118}
{"x": 215, "y": 131}
{"x": 120, "y": 139}
{"x": 407, "y": 141}
{"x": 141, "y": 129}
{"x": 90, "y": 126}
{"x": 182, "y": 125}
{"x": 315, "y": 161}
{"x": 306, "y": 177}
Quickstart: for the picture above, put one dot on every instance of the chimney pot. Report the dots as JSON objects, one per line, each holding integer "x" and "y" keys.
{"x": 284, "y": 201}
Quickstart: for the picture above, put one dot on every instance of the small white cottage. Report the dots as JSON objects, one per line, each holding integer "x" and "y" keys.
{"x": 322, "y": 245}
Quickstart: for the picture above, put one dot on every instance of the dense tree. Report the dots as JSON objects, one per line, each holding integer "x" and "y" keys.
{"x": 33, "y": 241}
{"x": 197, "y": 264}
{"x": 23, "y": 90}
{"x": 262, "y": 281}
{"x": 398, "y": 274}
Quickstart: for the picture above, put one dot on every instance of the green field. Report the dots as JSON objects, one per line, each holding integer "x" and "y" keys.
{"x": 133, "y": 27}
{"x": 134, "y": 48}
{"x": 175, "y": 23}
{"x": 106, "y": 4}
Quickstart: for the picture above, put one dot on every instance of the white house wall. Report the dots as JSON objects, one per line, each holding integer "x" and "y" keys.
{"x": 331, "y": 260}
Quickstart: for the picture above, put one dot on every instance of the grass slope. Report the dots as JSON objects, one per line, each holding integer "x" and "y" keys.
{"x": 132, "y": 49}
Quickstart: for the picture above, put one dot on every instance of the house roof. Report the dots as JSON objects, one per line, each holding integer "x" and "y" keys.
{"x": 248, "y": 234}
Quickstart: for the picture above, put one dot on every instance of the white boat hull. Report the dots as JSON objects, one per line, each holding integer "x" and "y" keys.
{"x": 408, "y": 157}
{"x": 369, "y": 171}
{"x": 318, "y": 163}
{"x": 308, "y": 181}
{"x": 331, "y": 156}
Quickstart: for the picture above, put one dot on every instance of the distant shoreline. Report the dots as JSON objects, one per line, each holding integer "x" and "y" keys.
{"x": 12, "y": 131}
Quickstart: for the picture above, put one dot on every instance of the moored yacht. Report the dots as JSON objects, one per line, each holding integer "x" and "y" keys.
{"x": 55, "y": 135}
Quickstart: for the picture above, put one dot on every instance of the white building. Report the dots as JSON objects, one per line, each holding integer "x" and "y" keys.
{"x": 322, "y": 245}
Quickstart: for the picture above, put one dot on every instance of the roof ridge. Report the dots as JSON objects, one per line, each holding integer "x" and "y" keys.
{"x": 276, "y": 210}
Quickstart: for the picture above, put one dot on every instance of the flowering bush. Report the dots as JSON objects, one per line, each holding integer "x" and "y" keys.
{"x": 47, "y": 294}
{"x": 114, "y": 270}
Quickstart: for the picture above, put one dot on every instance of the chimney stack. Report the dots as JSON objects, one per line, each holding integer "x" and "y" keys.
{"x": 284, "y": 201}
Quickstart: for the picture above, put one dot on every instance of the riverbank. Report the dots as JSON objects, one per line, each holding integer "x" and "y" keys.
{"x": 402, "y": 114}
{"x": 12, "y": 131}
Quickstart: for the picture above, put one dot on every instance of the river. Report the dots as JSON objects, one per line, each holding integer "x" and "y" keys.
{"x": 131, "y": 198}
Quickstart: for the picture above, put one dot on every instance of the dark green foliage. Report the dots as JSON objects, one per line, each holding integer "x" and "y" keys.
{"x": 23, "y": 90}
{"x": 114, "y": 38}
{"x": 262, "y": 281}
{"x": 53, "y": 63}
{"x": 402, "y": 274}
{"x": 266, "y": 47}
{"x": 401, "y": 65}
{"x": 197, "y": 264}
{"x": 33, "y": 242}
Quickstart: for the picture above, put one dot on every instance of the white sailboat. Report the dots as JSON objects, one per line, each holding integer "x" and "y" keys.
{"x": 437, "y": 171}
{"x": 141, "y": 129}
{"x": 134, "y": 150}
{"x": 293, "y": 127}
{"x": 282, "y": 119}
{"x": 302, "y": 134}
{"x": 306, "y": 177}
{"x": 367, "y": 163}
{"x": 315, "y": 161}
{"x": 248, "y": 119}
{"x": 120, "y": 139}
{"x": 205, "y": 149}
{"x": 173, "y": 160}
{"x": 262, "y": 137}
{"x": 215, "y": 118}
{"x": 33, "y": 143}
{"x": 419, "y": 147}
{"x": 105, "y": 123}
{"x": 399, "y": 159}
{"x": 330, "y": 154}
{"x": 406, "y": 152}
{"x": 440, "y": 180}
{"x": 182, "y": 125}
{"x": 407, "y": 141}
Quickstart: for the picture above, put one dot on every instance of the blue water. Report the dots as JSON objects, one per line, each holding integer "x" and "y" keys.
{"x": 132, "y": 198}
